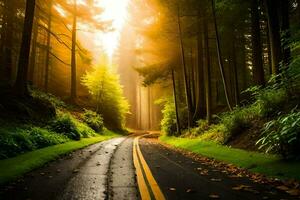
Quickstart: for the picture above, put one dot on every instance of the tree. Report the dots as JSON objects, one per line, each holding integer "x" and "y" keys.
{"x": 258, "y": 69}
{"x": 108, "y": 100}
{"x": 21, "y": 81}
{"x": 274, "y": 33}
{"x": 220, "y": 56}
{"x": 7, "y": 40}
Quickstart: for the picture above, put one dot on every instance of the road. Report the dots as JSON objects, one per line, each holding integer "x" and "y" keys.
{"x": 132, "y": 168}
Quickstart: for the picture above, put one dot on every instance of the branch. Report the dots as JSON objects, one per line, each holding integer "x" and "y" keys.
{"x": 59, "y": 59}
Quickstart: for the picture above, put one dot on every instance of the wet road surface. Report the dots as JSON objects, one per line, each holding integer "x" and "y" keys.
{"x": 182, "y": 178}
{"x": 131, "y": 168}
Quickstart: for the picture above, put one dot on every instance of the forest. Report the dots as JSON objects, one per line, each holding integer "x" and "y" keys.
{"x": 232, "y": 67}
{"x": 215, "y": 72}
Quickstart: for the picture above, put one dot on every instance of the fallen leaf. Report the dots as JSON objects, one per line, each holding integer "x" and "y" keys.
{"x": 216, "y": 179}
{"x": 282, "y": 187}
{"x": 241, "y": 187}
{"x": 251, "y": 190}
{"x": 190, "y": 191}
{"x": 294, "y": 192}
{"x": 172, "y": 189}
{"x": 214, "y": 196}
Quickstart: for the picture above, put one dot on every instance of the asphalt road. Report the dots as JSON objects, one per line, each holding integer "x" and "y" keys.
{"x": 131, "y": 168}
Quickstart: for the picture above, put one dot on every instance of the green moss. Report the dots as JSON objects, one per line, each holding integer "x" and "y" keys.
{"x": 270, "y": 165}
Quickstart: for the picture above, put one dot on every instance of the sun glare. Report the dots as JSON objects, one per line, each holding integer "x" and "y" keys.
{"x": 115, "y": 10}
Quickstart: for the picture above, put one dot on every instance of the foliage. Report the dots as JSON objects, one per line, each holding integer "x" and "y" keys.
{"x": 202, "y": 126}
{"x": 55, "y": 101}
{"x": 84, "y": 130}
{"x": 269, "y": 100}
{"x": 94, "y": 120}
{"x": 64, "y": 124}
{"x": 282, "y": 135}
{"x": 42, "y": 138}
{"x": 168, "y": 122}
{"x": 238, "y": 120}
{"x": 107, "y": 95}
{"x": 15, "y": 141}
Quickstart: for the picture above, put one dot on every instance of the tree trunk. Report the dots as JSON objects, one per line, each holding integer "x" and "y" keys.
{"x": 32, "y": 61}
{"x": 187, "y": 89}
{"x": 206, "y": 70}
{"x": 49, "y": 24}
{"x": 235, "y": 75}
{"x": 220, "y": 56}
{"x": 73, "y": 54}
{"x": 20, "y": 86}
{"x": 258, "y": 68}
{"x": 274, "y": 31}
{"x": 149, "y": 108}
{"x": 200, "y": 87}
{"x": 176, "y": 104}
{"x": 285, "y": 29}
{"x": 6, "y": 57}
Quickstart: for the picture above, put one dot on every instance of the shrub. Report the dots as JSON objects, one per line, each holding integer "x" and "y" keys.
{"x": 94, "y": 120}
{"x": 202, "y": 126}
{"x": 43, "y": 137}
{"x": 282, "y": 135}
{"x": 64, "y": 124}
{"x": 55, "y": 101}
{"x": 168, "y": 122}
{"x": 216, "y": 132}
{"x": 271, "y": 101}
{"x": 238, "y": 120}
{"x": 84, "y": 130}
{"x": 15, "y": 141}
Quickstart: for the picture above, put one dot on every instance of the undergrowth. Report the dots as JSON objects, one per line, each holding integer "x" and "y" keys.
{"x": 23, "y": 134}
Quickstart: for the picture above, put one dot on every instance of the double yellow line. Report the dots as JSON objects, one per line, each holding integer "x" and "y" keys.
{"x": 140, "y": 167}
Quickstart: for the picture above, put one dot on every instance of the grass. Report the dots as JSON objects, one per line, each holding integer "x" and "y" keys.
{"x": 270, "y": 165}
{"x": 13, "y": 168}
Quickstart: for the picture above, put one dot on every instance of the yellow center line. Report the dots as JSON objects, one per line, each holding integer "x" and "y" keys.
{"x": 145, "y": 195}
{"x": 151, "y": 180}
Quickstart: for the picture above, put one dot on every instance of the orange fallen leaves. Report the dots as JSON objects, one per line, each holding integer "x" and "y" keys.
{"x": 214, "y": 196}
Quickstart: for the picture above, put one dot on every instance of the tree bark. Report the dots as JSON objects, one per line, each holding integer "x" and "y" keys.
{"x": 32, "y": 61}
{"x": 274, "y": 31}
{"x": 200, "y": 87}
{"x": 258, "y": 68}
{"x": 176, "y": 104}
{"x": 6, "y": 54}
{"x": 235, "y": 75}
{"x": 206, "y": 70}
{"x": 73, "y": 54}
{"x": 285, "y": 29}
{"x": 221, "y": 66}
{"x": 49, "y": 24}
{"x": 20, "y": 86}
{"x": 187, "y": 89}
